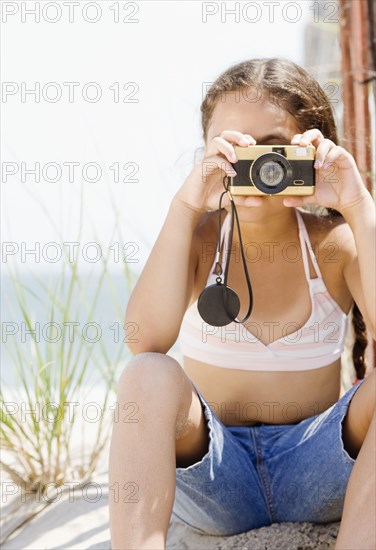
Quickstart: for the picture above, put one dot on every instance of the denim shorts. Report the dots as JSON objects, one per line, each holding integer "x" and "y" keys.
{"x": 253, "y": 476}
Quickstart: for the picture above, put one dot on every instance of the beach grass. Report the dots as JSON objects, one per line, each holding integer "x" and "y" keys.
{"x": 42, "y": 415}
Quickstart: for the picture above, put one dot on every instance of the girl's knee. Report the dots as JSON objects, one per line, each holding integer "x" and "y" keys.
{"x": 151, "y": 371}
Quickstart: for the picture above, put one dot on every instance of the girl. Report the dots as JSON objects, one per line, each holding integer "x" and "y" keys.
{"x": 251, "y": 429}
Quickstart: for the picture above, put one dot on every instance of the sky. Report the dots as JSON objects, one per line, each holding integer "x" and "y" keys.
{"x": 114, "y": 119}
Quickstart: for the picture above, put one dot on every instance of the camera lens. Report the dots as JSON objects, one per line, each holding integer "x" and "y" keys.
{"x": 271, "y": 173}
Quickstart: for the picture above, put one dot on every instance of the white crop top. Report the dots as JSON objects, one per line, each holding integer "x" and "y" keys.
{"x": 319, "y": 342}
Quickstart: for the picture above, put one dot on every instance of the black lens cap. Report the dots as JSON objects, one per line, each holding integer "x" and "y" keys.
{"x": 218, "y": 305}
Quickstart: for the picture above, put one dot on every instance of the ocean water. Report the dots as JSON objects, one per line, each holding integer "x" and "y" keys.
{"x": 100, "y": 327}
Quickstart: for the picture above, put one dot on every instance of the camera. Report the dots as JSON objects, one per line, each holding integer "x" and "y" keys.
{"x": 274, "y": 169}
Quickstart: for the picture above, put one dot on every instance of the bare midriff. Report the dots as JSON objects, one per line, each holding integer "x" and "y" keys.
{"x": 241, "y": 397}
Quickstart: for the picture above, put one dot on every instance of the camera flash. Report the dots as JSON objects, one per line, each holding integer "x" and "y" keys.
{"x": 301, "y": 152}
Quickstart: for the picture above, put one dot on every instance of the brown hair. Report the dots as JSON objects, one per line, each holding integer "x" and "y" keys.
{"x": 294, "y": 90}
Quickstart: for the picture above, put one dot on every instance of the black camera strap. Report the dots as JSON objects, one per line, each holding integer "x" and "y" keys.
{"x": 218, "y": 304}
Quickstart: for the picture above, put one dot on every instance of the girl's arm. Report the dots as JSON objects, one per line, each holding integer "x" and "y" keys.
{"x": 361, "y": 269}
{"x": 162, "y": 293}
{"x": 161, "y": 296}
{"x": 339, "y": 185}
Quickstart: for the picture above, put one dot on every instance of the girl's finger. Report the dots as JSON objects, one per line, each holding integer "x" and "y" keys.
{"x": 336, "y": 153}
{"x": 251, "y": 200}
{"x": 292, "y": 201}
{"x": 219, "y": 144}
{"x": 322, "y": 152}
{"x": 299, "y": 201}
{"x": 296, "y": 139}
{"x": 313, "y": 136}
{"x": 235, "y": 136}
{"x": 246, "y": 200}
{"x": 211, "y": 164}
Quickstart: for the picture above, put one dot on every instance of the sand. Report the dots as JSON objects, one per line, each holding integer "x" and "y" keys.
{"x": 83, "y": 524}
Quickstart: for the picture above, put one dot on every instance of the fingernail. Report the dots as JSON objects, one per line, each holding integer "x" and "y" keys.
{"x": 317, "y": 164}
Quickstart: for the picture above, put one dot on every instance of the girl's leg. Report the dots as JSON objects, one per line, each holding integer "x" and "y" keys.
{"x": 160, "y": 424}
{"x": 357, "y": 529}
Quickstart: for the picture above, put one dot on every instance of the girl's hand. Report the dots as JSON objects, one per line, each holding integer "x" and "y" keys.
{"x": 338, "y": 182}
{"x": 204, "y": 185}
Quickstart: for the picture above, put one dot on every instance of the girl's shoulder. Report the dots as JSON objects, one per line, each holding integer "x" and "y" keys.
{"x": 323, "y": 226}
{"x": 330, "y": 235}
{"x": 206, "y": 230}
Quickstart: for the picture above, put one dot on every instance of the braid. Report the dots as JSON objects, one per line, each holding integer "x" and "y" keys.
{"x": 360, "y": 330}
{"x": 360, "y": 344}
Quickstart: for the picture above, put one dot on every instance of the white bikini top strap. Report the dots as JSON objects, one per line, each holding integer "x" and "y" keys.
{"x": 305, "y": 242}
{"x": 224, "y": 232}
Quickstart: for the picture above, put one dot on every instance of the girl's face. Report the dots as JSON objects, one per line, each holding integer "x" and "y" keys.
{"x": 267, "y": 123}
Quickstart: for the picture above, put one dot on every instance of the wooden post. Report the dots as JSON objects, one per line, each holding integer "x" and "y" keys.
{"x": 356, "y": 63}
{"x": 348, "y": 121}
{"x": 360, "y": 48}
